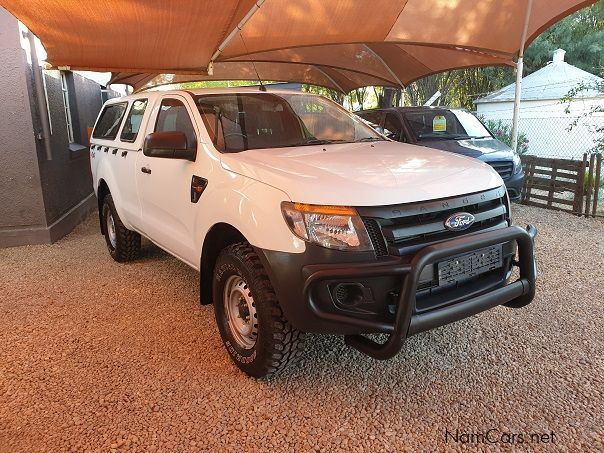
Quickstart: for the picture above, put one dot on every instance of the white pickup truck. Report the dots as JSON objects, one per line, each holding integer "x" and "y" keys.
{"x": 301, "y": 218}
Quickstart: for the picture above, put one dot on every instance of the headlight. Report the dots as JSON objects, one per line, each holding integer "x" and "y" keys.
{"x": 517, "y": 163}
{"x": 334, "y": 227}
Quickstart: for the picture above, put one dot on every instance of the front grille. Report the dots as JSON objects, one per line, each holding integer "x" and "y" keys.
{"x": 504, "y": 168}
{"x": 404, "y": 229}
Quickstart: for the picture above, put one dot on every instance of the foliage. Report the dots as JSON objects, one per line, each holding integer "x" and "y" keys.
{"x": 218, "y": 84}
{"x": 503, "y": 132}
{"x": 594, "y": 183}
{"x": 358, "y": 99}
{"x": 581, "y": 35}
{"x": 326, "y": 92}
{"x": 598, "y": 130}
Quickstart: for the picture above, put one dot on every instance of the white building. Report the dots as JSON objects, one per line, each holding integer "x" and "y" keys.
{"x": 543, "y": 117}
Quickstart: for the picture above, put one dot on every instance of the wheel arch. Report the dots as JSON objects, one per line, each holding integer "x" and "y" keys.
{"x": 218, "y": 237}
{"x": 102, "y": 192}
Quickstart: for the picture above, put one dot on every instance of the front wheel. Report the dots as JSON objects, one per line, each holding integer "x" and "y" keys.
{"x": 122, "y": 243}
{"x": 253, "y": 328}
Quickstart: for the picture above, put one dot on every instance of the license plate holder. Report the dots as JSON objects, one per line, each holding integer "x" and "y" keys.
{"x": 464, "y": 267}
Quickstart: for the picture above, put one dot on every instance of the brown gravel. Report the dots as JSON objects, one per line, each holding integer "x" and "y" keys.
{"x": 95, "y": 355}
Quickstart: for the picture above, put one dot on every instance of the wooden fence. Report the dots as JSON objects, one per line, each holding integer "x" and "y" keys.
{"x": 562, "y": 184}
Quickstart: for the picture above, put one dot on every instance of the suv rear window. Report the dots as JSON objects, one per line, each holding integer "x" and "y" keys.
{"x": 133, "y": 120}
{"x": 109, "y": 123}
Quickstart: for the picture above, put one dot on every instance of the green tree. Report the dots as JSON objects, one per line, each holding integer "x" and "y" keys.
{"x": 576, "y": 92}
{"x": 503, "y": 132}
{"x": 580, "y": 34}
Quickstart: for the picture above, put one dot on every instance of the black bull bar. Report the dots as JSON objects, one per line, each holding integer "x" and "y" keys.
{"x": 406, "y": 322}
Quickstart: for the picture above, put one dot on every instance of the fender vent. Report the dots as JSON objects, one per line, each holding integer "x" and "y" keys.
{"x": 377, "y": 238}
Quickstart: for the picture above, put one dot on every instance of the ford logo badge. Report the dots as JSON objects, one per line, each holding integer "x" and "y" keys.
{"x": 459, "y": 221}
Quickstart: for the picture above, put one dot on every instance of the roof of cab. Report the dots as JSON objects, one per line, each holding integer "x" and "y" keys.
{"x": 413, "y": 108}
{"x": 152, "y": 94}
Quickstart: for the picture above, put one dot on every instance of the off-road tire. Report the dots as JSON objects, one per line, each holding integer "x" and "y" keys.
{"x": 127, "y": 243}
{"x": 277, "y": 343}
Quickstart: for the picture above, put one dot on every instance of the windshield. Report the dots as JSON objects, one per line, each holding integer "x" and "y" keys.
{"x": 241, "y": 121}
{"x": 438, "y": 124}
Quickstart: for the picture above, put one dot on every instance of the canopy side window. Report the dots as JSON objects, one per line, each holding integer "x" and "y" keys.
{"x": 133, "y": 120}
{"x": 109, "y": 122}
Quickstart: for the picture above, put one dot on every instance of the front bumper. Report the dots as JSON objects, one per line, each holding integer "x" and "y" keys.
{"x": 299, "y": 282}
{"x": 514, "y": 186}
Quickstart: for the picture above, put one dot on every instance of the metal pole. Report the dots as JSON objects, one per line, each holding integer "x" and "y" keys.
{"x": 232, "y": 34}
{"x": 40, "y": 96}
{"x": 388, "y": 68}
{"x": 519, "y": 74}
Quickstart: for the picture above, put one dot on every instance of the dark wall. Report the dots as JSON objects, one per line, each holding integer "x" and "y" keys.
{"x": 21, "y": 202}
{"x": 85, "y": 105}
{"x": 42, "y": 199}
{"x": 66, "y": 178}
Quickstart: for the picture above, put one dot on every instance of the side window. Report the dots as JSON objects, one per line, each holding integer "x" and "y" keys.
{"x": 392, "y": 127}
{"x": 173, "y": 116}
{"x": 133, "y": 120}
{"x": 65, "y": 90}
{"x": 374, "y": 118}
{"x": 109, "y": 121}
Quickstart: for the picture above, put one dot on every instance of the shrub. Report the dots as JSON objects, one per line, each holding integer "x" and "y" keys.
{"x": 503, "y": 132}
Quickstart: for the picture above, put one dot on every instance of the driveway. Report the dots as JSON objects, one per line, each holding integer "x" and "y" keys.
{"x": 95, "y": 355}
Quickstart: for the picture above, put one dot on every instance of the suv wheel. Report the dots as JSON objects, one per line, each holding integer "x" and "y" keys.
{"x": 123, "y": 244}
{"x": 253, "y": 328}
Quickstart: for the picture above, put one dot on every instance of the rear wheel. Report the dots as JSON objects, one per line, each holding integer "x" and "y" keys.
{"x": 122, "y": 243}
{"x": 253, "y": 328}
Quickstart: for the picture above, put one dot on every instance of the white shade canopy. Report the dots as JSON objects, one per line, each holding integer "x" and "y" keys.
{"x": 340, "y": 44}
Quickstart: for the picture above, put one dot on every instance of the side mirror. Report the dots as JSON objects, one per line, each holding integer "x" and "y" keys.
{"x": 169, "y": 145}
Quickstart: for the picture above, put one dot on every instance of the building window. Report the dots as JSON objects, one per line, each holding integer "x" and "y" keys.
{"x": 66, "y": 107}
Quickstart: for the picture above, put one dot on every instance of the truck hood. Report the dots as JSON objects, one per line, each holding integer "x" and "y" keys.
{"x": 363, "y": 174}
{"x": 485, "y": 149}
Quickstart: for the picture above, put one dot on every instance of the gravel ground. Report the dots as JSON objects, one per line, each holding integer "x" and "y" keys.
{"x": 96, "y": 356}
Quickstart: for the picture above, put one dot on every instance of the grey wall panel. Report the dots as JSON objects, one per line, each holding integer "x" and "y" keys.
{"x": 21, "y": 202}
{"x": 88, "y": 102}
{"x": 41, "y": 199}
{"x": 66, "y": 179}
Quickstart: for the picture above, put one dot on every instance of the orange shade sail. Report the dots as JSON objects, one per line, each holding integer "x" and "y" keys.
{"x": 340, "y": 44}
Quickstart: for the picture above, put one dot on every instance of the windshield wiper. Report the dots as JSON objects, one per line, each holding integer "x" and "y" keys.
{"x": 369, "y": 139}
{"x": 318, "y": 141}
{"x": 460, "y": 137}
{"x": 315, "y": 141}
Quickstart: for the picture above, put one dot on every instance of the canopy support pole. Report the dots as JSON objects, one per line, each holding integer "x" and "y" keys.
{"x": 390, "y": 71}
{"x": 232, "y": 34}
{"x": 336, "y": 84}
{"x": 40, "y": 95}
{"x": 519, "y": 74}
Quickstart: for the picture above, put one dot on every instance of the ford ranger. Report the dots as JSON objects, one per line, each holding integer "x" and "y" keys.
{"x": 301, "y": 218}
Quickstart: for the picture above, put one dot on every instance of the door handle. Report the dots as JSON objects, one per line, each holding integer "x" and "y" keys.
{"x": 146, "y": 170}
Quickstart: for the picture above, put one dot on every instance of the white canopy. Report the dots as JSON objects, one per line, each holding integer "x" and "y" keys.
{"x": 341, "y": 44}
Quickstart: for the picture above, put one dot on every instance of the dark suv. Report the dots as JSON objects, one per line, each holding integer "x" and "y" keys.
{"x": 454, "y": 130}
